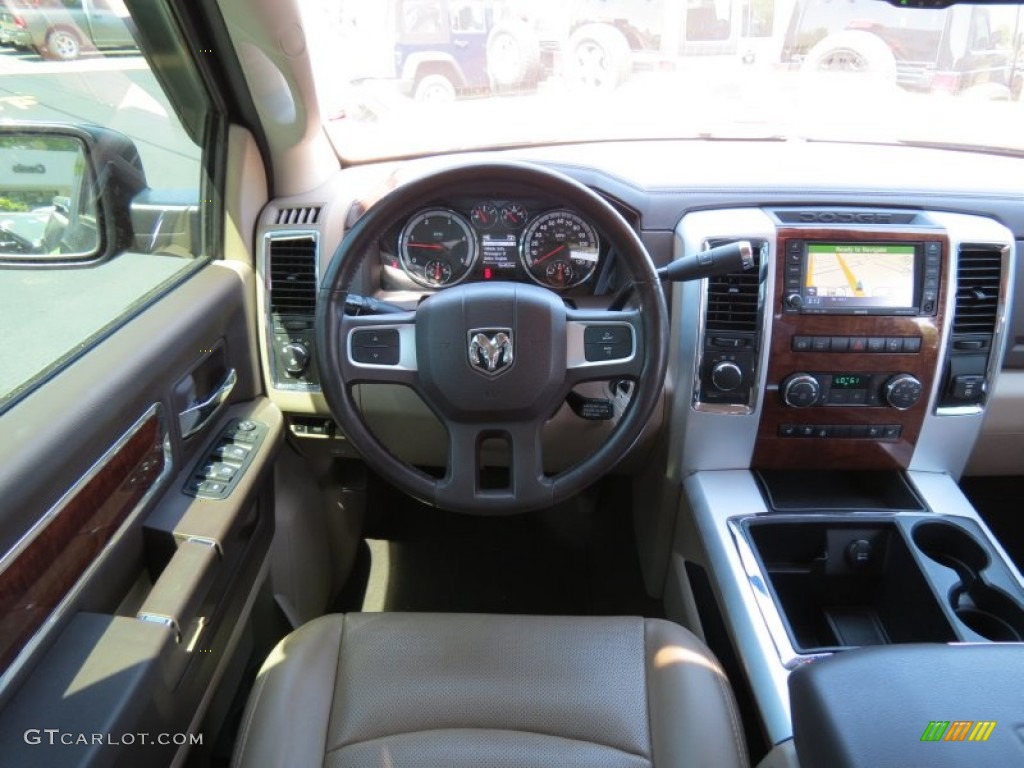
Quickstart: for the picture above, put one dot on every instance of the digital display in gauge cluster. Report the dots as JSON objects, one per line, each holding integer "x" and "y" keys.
{"x": 498, "y": 240}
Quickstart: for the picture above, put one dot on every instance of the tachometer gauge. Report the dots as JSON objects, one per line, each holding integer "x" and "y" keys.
{"x": 560, "y": 249}
{"x": 437, "y": 247}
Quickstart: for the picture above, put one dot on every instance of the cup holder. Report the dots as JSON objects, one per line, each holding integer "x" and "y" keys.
{"x": 953, "y": 547}
{"x": 984, "y": 609}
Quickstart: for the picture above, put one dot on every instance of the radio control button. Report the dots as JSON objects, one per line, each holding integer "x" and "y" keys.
{"x": 794, "y": 301}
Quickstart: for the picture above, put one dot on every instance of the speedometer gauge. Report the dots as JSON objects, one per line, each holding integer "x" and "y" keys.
{"x": 437, "y": 247}
{"x": 560, "y": 249}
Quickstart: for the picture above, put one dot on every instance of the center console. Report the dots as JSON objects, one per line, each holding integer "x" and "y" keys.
{"x": 845, "y": 385}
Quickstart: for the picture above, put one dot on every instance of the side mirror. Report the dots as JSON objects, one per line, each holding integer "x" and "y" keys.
{"x": 65, "y": 193}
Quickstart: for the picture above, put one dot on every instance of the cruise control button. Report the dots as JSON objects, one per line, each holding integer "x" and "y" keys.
{"x": 604, "y": 352}
{"x": 606, "y": 334}
{"x": 376, "y": 355}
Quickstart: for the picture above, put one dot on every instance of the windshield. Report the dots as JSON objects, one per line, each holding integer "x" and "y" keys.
{"x": 410, "y": 77}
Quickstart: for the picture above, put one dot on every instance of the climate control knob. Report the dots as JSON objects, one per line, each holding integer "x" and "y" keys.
{"x": 726, "y": 376}
{"x": 800, "y": 390}
{"x": 903, "y": 391}
{"x": 295, "y": 357}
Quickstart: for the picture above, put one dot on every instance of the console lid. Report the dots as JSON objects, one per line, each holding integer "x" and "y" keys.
{"x": 911, "y": 705}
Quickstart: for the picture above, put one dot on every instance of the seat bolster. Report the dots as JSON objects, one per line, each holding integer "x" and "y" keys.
{"x": 286, "y": 719}
{"x": 694, "y": 722}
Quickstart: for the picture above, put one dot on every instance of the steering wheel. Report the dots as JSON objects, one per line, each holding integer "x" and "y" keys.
{"x": 494, "y": 359}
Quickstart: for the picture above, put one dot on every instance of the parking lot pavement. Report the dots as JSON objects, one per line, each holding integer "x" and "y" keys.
{"x": 112, "y": 89}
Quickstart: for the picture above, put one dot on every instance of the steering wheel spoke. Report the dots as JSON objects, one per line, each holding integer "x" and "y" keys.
{"x": 379, "y": 349}
{"x": 466, "y": 477}
{"x": 603, "y": 344}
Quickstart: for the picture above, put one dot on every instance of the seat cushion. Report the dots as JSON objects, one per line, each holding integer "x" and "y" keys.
{"x": 420, "y": 690}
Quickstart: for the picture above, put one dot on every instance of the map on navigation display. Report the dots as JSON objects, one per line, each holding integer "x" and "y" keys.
{"x": 864, "y": 275}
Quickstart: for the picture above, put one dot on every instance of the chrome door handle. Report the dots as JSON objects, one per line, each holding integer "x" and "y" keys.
{"x": 198, "y": 415}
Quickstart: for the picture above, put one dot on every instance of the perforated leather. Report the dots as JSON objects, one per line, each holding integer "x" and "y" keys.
{"x": 424, "y": 690}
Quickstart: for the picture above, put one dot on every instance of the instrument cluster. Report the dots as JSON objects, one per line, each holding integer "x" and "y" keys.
{"x": 481, "y": 240}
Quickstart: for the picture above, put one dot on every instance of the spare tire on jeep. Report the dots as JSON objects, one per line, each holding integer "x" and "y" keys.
{"x": 852, "y": 52}
{"x": 513, "y": 55}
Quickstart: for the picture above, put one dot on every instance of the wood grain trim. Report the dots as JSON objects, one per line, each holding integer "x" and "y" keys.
{"x": 774, "y": 452}
{"x": 43, "y": 572}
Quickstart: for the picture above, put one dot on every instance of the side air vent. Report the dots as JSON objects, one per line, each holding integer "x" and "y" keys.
{"x": 293, "y": 275}
{"x": 733, "y": 299}
{"x": 978, "y": 274}
{"x": 728, "y": 367}
{"x": 299, "y": 215}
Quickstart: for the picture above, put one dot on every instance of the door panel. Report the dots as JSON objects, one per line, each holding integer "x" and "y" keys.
{"x": 105, "y": 548}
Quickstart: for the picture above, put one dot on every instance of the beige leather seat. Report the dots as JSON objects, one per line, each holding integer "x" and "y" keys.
{"x": 420, "y": 690}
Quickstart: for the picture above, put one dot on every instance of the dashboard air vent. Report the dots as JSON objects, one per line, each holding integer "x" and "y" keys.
{"x": 978, "y": 274}
{"x": 292, "y": 275}
{"x": 733, "y": 300}
{"x": 309, "y": 214}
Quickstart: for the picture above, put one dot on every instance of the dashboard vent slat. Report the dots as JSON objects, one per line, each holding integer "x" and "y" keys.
{"x": 979, "y": 272}
{"x": 309, "y": 214}
{"x": 292, "y": 268}
{"x": 733, "y": 300}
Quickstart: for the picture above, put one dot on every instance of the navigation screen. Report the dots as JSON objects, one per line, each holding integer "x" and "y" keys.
{"x": 499, "y": 251}
{"x": 863, "y": 276}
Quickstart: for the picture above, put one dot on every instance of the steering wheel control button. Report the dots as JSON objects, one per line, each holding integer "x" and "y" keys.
{"x": 376, "y": 337}
{"x": 376, "y": 355}
{"x": 604, "y": 352}
{"x": 376, "y": 346}
{"x": 607, "y": 334}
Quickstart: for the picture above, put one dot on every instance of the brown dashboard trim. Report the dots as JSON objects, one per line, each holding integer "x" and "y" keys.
{"x": 49, "y": 565}
{"x": 775, "y": 452}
